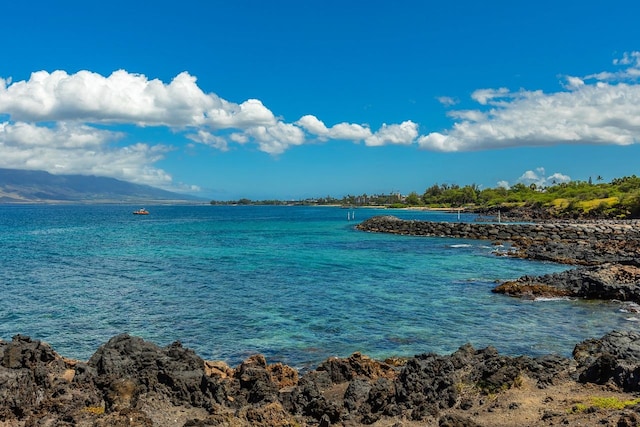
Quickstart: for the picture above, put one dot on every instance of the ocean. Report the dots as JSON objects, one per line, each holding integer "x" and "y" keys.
{"x": 297, "y": 284}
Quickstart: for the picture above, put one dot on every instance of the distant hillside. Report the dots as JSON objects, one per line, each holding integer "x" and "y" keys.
{"x": 24, "y": 186}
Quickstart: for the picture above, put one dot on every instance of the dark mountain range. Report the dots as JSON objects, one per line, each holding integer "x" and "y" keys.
{"x": 25, "y": 186}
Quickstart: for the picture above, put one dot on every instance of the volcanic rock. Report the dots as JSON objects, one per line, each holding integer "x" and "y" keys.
{"x": 607, "y": 281}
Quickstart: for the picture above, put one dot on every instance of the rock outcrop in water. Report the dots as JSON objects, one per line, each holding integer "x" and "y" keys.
{"x": 607, "y": 251}
{"x": 607, "y": 282}
{"x": 131, "y": 382}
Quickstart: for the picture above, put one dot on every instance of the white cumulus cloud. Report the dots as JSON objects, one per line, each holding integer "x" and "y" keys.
{"x": 80, "y": 149}
{"x": 539, "y": 178}
{"x": 344, "y": 131}
{"x": 447, "y": 101}
{"x": 277, "y": 138}
{"x": 558, "y": 178}
{"x": 602, "y": 108}
{"x": 76, "y": 123}
{"x": 207, "y": 138}
{"x": 124, "y": 97}
{"x": 63, "y": 136}
{"x": 65, "y": 123}
{"x": 484, "y": 96}
{"x": 403, "y": 134}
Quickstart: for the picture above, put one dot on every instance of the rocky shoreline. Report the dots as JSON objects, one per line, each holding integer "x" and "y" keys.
{"x": 131, "y": 382}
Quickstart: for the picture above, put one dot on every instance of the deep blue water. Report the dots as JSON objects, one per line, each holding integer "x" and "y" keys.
{"x": 298, "y": 284}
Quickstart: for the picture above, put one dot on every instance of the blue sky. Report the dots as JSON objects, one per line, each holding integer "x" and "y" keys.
{"x": 296, "y": 99}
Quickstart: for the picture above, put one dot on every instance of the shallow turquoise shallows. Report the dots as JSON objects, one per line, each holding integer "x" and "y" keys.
{"x": 297, "y": 284}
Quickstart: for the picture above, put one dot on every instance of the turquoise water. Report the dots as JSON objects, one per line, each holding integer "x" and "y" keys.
{"x": 297, "y": 284}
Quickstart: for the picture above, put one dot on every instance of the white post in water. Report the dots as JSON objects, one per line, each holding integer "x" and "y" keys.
{"x": 498, "y": 216}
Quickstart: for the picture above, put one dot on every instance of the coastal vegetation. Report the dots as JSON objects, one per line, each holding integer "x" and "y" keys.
{"x": 619, "y": 198}
{"x": 604, "y": 403}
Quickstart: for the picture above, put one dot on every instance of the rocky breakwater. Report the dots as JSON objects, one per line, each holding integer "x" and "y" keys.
{"x": 608, "y": 251}
{"x": 584, "y": 243}
{"x": 131, "y": 382}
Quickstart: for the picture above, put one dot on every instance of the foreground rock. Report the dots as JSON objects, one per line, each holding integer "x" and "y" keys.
{"x": 131, "y": 382}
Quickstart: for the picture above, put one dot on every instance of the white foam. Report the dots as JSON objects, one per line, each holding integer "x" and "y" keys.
{"x": 630, "y": 307}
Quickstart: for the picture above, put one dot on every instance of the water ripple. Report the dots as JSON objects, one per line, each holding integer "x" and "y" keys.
{"x": 297, "y": 284}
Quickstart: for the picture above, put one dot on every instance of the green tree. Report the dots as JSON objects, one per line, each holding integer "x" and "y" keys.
{"x": 470, "y": 193}
{"x": 432, "y": 194}
{"x": 413, "y": 199}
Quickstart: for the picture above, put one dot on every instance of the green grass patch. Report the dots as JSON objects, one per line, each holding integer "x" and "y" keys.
{"x": 560, "y": 203}
{"x": 607, "y": 403}
{"x": 588, "y": 205}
